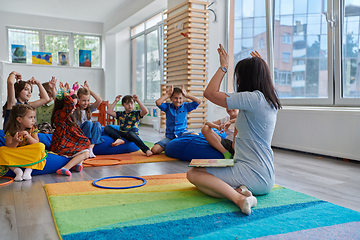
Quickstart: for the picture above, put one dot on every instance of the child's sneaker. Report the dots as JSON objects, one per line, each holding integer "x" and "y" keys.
{"x": 63, "y": 171}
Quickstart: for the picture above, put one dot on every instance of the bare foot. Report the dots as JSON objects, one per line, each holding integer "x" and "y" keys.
{"x": 118, "y": 142}
{"x": 149, "y": 153}
{"x": 244, "y": 191}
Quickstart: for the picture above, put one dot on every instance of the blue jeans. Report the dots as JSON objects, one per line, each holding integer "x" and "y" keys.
{"x": 130, "y": 136}
{"x": 92, "y": 131}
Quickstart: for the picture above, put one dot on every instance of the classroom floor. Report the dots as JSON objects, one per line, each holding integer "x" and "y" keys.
{"x": 25, "y": 213}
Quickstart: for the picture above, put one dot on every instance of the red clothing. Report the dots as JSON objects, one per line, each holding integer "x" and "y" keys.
{"x": 67, "y": 140}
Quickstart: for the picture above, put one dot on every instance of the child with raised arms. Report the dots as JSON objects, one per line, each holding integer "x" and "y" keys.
{"x": 83, "y": 114}
{"x": 19, "y": 92}
{"x": 20, "y": 131}
{"x": 227, "y": 125}
{"x": 176, "y": 115}
{"x": 68, "y": 140}
{"x": 129, "y": 122}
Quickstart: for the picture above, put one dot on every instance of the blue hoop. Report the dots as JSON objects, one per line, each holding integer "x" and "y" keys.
{"x": 135, "y": 186}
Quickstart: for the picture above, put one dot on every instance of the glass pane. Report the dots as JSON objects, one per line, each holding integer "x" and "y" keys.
{"x": 138, "y": 29}
{"x": 92, "y": 43}
{"x": 350, "y": 50}
{"x": 23, "y": 37}
{"x": 249, "y": 31}
{"x": 153, "y": 21}
{"x": 298, "y": 48}
{"x": 138, "y": 63}
{"x": 56, "y": 43}
{"x": 152, "y": 66}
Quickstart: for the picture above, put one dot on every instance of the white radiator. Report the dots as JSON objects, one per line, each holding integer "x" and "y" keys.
{"x": 327, "y": 131}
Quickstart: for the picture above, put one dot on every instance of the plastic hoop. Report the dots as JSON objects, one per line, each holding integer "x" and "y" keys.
{"x": 135, "y": 186}
{"x": 8, "y": 182}
{"x": 88, "y": 161}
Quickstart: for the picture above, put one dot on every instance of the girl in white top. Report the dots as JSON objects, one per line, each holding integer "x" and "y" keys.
{"x": 258, "y": 103}
{"x": 227, "y": 125}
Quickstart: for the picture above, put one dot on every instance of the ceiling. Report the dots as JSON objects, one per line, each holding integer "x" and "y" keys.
{"x": 85, "y": 10}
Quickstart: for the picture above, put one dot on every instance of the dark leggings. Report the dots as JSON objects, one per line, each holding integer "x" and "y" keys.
{"x": 130, "y": 136}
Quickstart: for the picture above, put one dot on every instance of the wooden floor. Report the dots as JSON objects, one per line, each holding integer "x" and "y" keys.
{"x": 25, "y": 213}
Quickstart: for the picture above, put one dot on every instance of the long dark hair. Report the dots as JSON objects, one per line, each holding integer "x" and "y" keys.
{"x": 18, "y": 86}
{"x": 83, "y": 91}
{"x": 19, "y": 110}
{"x": 252, "y": 74}
{"x": 58, "y": 105}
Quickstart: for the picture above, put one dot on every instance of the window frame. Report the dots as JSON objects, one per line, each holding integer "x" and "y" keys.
{"x": 42, "y": 33}
{"x": 159, "y": 28}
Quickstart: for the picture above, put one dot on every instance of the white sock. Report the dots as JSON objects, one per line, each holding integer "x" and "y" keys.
{"x": 248, "y": 204}
{"x": 91, "y": 153}
{"x": 245, "y": 191}
{"x": 27, "y": 174}
{"x": 19, "y": 174}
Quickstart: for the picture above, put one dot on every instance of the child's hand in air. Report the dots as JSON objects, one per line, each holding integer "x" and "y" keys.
{"x": 33, "y": 81}
{"x": 183, "y": 91}
{"x": 65, "y": 87}
{"x": 86, "y": 86}
{"x": 117, "y": 98}
{"x": 136, "y": 98}
{"x": 18, "y": 76}
{"x": 52, "y": 82}
{"x": 170, "y": 91}
{"x": 75, "y": 86}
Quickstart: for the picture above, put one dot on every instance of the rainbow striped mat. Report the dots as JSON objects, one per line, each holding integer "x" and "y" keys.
{"x": 169, "y": 207}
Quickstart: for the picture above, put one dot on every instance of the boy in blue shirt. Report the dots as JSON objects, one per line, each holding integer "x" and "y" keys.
{"x": 176, "y": 115}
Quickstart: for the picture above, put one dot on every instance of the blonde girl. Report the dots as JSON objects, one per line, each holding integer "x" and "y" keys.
{"x": 83, "y": 114}
{"x": 21, "y": 131}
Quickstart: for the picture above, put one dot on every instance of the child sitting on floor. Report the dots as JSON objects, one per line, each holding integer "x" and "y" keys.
{"x": 20, "y": 131}
{"x": 129, "y": 122}
{"x": 19, "y": 92}
{"x": 226, "y": 124}
{"x": 68, "y": 140}
{"x": 176, "y": 115}
{"x": 83, "y": 114}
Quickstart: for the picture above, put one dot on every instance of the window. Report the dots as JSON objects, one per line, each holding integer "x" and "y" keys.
{"x": 261, "y": 44}
{"x": 55, "y": 42}
{"x": 147, "y": 58}
{"x": 286, "y": 57}
{"x": 286, "y": 38}
{"x": 28, "y": 38}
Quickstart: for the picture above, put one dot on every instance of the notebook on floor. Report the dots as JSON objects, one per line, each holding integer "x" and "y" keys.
{"x": 212, "y": 163}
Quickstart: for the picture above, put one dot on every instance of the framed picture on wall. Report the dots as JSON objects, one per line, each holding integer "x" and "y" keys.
{"x": 43, "y": 58}
{"x": 63, "y": 58}
{"x": 84, "y": 58}
{"x": 18, "y": 53}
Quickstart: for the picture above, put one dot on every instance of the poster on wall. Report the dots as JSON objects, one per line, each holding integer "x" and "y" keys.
{"x": 155, "y": 112}
{"x": 63, "y": 58}
{"x": 43, "y": 58}
{"x": 18, "y": 53}
{"x": 84, "y": 58}
{"x": 149, "y": 112}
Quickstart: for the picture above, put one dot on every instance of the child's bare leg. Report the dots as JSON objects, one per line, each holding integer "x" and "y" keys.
{"x": 118, "y": 142}
{"x": 212, "y": 138}
{"x": 156, "y": 149}
{"x": 74, "y": 161}
{"x": 19, "y": 173}
{"x": 215, "y": 187}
